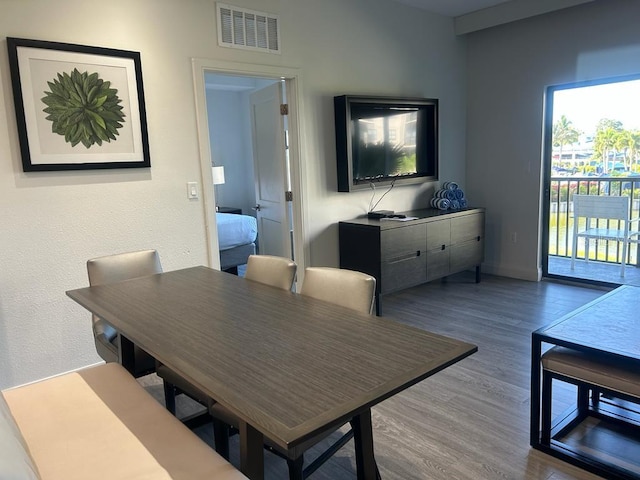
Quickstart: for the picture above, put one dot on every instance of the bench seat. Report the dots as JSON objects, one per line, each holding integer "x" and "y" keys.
{"x": 592, "y": 374}
{"x": 99, "y": 423}
{"x": 598, "y": 371}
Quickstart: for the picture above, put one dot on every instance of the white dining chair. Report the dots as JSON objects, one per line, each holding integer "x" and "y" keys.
{"x": 614, "y": 212}
{"x": 114, "y": 268}
{"x": 271, "y": 270}
{"x": 347, "y": 288}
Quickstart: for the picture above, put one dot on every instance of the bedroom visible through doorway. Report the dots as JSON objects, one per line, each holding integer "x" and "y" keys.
{"x": 227, "y": 137}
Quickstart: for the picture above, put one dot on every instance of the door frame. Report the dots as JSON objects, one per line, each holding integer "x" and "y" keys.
{"x": 293, "y": 85}
{"x": 547, "y": 171}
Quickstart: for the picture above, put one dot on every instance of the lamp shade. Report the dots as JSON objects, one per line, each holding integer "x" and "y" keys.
{"x": 218, "y": 175}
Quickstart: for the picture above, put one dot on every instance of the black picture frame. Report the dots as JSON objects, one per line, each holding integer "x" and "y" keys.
{"x": 95, "y": 117}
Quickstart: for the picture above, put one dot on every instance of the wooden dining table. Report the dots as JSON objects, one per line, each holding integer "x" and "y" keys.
{"x": 288, "y": 366}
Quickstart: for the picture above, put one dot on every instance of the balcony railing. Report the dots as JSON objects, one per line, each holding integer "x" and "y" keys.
{"x": 561, "y": 216}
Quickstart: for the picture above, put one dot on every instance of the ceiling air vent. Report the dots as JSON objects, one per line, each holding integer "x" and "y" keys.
{"x": 247, "y": 29}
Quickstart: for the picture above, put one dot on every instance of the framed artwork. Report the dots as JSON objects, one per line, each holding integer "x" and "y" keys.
{"x": 78, "y": 107}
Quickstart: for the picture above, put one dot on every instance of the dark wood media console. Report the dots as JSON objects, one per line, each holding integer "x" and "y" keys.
{"x": 402, "y": 254}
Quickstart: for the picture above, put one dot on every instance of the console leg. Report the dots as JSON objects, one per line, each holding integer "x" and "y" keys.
{"x": 378, "y": 305}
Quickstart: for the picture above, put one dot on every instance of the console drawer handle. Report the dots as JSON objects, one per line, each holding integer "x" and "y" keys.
{"x": 402, "y": 258}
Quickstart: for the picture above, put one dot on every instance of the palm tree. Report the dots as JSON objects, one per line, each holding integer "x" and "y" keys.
{"x": 624, "y": 143}
{"x": 606, "y": 134}
{"x": 634, "y": 147}
{"x": 564, "y": 133}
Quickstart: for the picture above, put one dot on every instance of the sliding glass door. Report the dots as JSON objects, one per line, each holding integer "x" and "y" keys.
{"x": 592, "y": 147}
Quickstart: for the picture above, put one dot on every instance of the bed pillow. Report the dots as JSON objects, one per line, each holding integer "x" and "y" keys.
{"x": 15, "y": 461}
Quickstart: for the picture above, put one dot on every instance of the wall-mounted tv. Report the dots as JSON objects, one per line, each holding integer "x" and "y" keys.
{"x": 385, "y": 140}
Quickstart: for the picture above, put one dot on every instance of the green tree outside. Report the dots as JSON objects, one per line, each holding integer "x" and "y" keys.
{"x": 564, "y": 133}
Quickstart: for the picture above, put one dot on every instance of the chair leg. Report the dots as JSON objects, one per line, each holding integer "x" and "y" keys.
{"x": 169, "y": 396}
{"x": 295, "y": 468}
{"x": 221, "y": 438}
{"x": 586, "y": 248}
{"x": 574, "y": 246}
{"x": 624, "y": 257}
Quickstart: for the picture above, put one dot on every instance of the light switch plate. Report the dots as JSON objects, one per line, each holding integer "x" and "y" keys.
{"x": 192, "y": 190}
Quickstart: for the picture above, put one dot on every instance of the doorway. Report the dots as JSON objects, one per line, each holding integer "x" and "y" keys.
{"x": 591, "y": 147}
{"x": 229, "y": 81}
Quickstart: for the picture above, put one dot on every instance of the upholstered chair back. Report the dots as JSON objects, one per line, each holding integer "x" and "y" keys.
{"x": 123, "y": 266}
{"x": 115, "y": 268}
{"x": 271, "y": 270}
{"x": 347, "y": 288}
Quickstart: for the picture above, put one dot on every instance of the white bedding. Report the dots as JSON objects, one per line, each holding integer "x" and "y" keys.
{"x": 235, "y": 230}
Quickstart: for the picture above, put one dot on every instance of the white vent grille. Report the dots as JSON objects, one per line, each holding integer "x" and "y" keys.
{"x": 247, "y": 29}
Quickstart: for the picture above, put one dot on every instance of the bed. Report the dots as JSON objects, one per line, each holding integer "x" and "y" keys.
{"x": 236, "y": 238}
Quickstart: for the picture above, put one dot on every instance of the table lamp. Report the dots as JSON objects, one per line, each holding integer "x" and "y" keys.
{"x": 218, "y": 177}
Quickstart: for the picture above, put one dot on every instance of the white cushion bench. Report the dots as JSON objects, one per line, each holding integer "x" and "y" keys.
{"x": 99, "y": 423}
{"x": 590, "y": 373}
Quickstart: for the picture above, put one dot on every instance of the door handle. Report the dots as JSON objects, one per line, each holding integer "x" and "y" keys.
{"x": 256, "y": 208}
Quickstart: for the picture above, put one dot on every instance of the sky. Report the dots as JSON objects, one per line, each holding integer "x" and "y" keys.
{"x": 585, "y": 106}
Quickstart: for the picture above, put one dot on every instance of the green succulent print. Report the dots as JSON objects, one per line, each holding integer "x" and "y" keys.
{"x": 83, "y": 108}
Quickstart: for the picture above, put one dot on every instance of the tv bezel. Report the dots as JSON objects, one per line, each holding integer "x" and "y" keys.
{"x": 344, "y": 134}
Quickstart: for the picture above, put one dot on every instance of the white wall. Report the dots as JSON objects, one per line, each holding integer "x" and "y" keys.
{"x": 509, "y": 68}
{"x": 52, "y": 222}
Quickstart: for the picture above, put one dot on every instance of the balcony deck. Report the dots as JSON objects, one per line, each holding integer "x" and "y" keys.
{"x": 605, "y": 272}
{"x": 560, "y": 232}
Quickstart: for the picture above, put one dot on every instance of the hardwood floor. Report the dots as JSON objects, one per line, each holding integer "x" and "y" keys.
{"x": 475, "y": 414}
{"x": 470, "y": 421}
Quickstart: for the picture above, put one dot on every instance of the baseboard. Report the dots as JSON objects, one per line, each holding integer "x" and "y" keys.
{"x": 58, "y": 374}
{"x": 528, "y": 274}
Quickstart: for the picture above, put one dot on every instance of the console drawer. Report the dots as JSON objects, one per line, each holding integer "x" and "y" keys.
{"x": 404, "y": 272}
{"x": 464, "y": 255}
{"x": 438, "y": 234}
{"x": 401, "y": 243}
{"x": 438, "y": 263}
{"x": 467, "y": 227}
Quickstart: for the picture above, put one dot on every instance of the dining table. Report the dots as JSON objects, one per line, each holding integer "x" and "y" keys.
{"x": 290, "y": 367}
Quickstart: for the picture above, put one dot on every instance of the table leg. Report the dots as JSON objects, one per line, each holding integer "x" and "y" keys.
{"x": 296, "y": 468}
{"x": 251, "y": 452}
{"x": 126, "y": 355}
{"x": 363, "y": 444}
{"x": 534, "y": 429}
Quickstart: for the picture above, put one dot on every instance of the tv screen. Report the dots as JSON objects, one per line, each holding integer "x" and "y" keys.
{"x": 380, "y": 140}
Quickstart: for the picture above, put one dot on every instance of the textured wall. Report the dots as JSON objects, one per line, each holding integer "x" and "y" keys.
{"x": 52, "y": 222}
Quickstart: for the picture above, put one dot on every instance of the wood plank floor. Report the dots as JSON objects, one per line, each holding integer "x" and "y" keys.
{"x": 470, "y": 421}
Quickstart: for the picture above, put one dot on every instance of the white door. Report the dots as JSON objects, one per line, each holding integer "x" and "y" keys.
{"x": 269, "y": 157}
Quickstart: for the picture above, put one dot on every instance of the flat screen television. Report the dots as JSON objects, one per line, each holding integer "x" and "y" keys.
{"x": 385, "y": 140}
